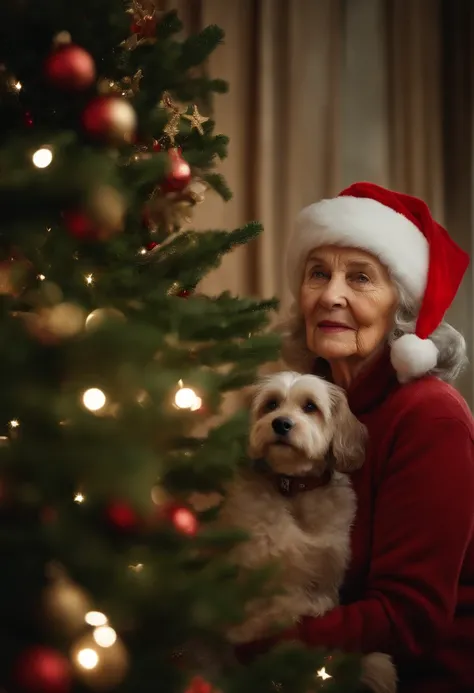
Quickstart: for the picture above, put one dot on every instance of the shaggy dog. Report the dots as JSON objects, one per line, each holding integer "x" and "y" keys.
{"x": 297, "y": 505}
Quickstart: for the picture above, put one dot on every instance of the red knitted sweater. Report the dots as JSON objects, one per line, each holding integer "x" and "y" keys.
{"x": 410, "y": 588}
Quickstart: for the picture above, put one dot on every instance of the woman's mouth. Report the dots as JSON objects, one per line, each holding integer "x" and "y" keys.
{"x": 330, "y": 326}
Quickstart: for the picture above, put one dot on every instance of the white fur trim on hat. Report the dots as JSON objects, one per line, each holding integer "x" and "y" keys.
{"x": 413, "y": 357}
{"x": 361, "y": 223}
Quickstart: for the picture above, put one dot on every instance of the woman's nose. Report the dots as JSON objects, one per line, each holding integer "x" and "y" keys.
{"x": 334, "y": 293}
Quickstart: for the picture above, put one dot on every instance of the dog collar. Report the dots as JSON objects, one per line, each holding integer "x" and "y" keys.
{"x": 289, "y": 486}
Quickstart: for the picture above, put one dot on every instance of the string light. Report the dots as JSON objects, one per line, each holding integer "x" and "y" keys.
{"x": 96, "y": 619}
{"x": 18, "y": 85}
{"x": 105, "y": 636}
{"x": 79, "y": 498}
{"x": 42, "y": 157}
{"x": 322, "y": 674}
{"x": 41, "y": 277}
{"x": 94, "y": 399}
{"x": 89, "y": 279}
{"x": 186, "y": 398}
{"x": 142, "y": 251}
{"x": 14, "y": 423}
{"x": 87, "y": 658}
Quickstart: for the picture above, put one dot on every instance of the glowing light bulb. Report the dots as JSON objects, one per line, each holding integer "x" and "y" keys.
{"x": 14, "y": 423}
{"x": 322, "y": 674}
{"x": 87, "y": 658}
{"x": 41, "y": 277}
{"x": 42, "y": 157}
{"x": 89, "y": 279}
{"x": 142, "y": 251}
{"x": 94, "y": 399}
{"x": 96, "y": 619}
{"x": 79, "y": 498}
{"x": 18, "y": 85}
{"x": 186, "y": 398}
{"x": 105, "y": 636}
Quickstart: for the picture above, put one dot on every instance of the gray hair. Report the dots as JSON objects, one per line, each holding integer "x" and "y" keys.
{"x": 450, "y": 343}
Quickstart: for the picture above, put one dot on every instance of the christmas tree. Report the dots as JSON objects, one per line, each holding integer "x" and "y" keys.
{"x": 114, "y": 367}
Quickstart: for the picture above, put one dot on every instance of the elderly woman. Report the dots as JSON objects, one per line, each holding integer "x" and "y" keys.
{"x": 372, "y": 275}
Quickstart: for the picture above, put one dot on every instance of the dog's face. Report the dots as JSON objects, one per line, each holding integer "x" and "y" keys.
{"x": 298, "y": 419}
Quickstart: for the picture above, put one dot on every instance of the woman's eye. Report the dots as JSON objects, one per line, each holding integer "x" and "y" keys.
{"x": 309, "y": 407}
{"x": 271, "y": 405}
{"x": 318, "y": 274}
{"x": 361, "y": 278}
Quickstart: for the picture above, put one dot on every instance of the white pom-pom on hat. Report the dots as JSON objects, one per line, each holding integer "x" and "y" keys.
{"x": 412, "y": 357}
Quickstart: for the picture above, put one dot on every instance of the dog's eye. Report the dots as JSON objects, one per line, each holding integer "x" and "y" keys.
{"x": 271, "y": 405}
{"x": 309, "y": 407}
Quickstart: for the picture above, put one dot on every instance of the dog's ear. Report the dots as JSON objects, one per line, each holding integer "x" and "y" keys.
{"x": 350, "y": 435}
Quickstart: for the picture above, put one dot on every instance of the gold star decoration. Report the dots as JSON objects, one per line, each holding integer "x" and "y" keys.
{"x": 177, "y": 112}
{"x": 196, "y": 120}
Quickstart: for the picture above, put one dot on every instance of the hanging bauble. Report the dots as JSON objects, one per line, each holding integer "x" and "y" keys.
{"x": 110, "y": 119}
{"x": 70, "y": 67}
{"x": 182, "y": 518}
{"x": 121, "y": 516}
{"x": 100, "y": 660}
{"x": 198, "y": 685}
{"x": 179, "y": 174}
{"x": 42, "y": 670}
{"x": 64, "y": 606}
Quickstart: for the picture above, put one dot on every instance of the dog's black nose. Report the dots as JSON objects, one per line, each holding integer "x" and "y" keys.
{"x": 282, "y": 425}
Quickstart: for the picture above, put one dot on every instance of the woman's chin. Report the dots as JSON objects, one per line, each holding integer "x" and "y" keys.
{"x": 331, "y": 349}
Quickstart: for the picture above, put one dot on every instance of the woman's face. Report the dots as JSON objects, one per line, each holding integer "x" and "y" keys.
{"x": 348, "y": 302}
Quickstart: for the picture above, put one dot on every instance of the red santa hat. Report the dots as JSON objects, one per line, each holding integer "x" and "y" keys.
{"x": 400, "y": 231}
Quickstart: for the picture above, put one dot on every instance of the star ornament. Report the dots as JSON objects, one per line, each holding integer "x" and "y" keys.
{"x": 196, "y": 120}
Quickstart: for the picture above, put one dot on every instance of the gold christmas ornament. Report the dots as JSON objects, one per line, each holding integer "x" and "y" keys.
{"x": 196, "y": 120}
{"x": 64, "y": 606}
{"x": 101, "y": 315}
{"x": 100, "y": 659}
{"x": 106, "y": 208}
{"x": 51, "y": 325}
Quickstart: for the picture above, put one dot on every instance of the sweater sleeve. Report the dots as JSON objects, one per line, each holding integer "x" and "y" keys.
{"x": 424, "y": 519}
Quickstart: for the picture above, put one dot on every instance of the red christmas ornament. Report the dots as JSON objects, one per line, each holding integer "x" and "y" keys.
{"x": 199, "y": 685}
{"x": 71, "y": 68}
{"x": 79, "y": 225}
{"x": 42, "y": 670}
{"x": 156, "y": 146}
{"x": 179, "y": 174}
{"x": 110, "y": 118}
{"x": 145, "y": 28}
{"x": 184, "y": 293}
{"x": 121, "y": 516}
{"x": 151, "y": 246}
{"x": 183, "y": 519}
